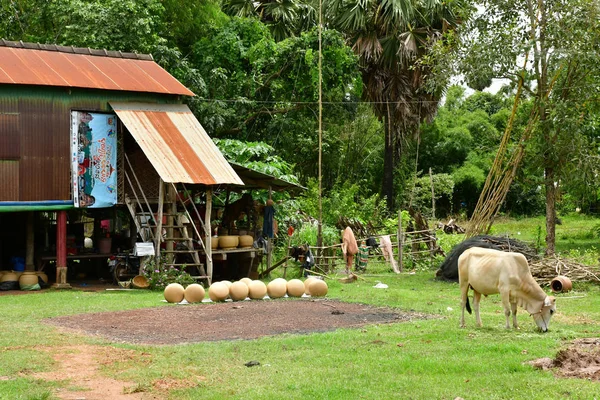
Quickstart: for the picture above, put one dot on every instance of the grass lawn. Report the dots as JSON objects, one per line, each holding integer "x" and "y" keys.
{"x": 422, "y": 359}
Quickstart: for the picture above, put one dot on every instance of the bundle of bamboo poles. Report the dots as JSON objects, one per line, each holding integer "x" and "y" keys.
{"x": 546, "y": 269}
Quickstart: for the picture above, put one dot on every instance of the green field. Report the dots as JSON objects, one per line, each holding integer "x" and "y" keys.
{"x": 422, "y": 359}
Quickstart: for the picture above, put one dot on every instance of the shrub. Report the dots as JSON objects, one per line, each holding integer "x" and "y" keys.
{"x": 160, "y": 274}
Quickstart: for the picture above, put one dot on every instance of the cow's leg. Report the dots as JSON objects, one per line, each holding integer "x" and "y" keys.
{"x": 513, "y": 306}
{"x": 476, "y": 301}
{"x": 464, "y": 292}
{"x": 504, "y": 294}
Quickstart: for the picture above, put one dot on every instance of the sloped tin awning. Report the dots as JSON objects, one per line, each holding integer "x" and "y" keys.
{"x": 176, "y": 144}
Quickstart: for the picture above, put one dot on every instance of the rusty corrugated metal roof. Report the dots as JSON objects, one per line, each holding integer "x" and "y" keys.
{"x": 176, "y": 144}
{"x": 51, "y": 65}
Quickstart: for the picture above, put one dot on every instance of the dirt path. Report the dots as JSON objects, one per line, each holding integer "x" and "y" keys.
{"x": 80, "y": 366}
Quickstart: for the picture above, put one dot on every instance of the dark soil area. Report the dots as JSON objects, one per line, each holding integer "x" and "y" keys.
{"x": 176, "y": 323}
{"x": 581, "y": 359}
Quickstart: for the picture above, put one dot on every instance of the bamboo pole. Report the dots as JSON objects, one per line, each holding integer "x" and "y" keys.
{"x": 400, "y": 241}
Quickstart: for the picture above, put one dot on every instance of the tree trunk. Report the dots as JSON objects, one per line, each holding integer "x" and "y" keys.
{"x": 388, "y": 164}
{"x": 551, "y": 190}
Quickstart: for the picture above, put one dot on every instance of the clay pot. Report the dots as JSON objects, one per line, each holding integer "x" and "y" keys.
{"x": 277, "y": 288}
{"x": 317, "y": 288}
{"x": 194, "y": 293}
{"x": 214, "y": 242}
{"x": 228, "y": 242}
{"x": 174, "y": 293}
{"x": 218, "y": 291}
{"x": 246, "y": 241}
{"x": 246, "y": 280}
{"x": 307, "y": 283}
{"x": 43, "y": 275}
{"x": 9, "y": 276}
{"x": 28, "y": 279}
{"x": 238, "y": 291}
{"x": 561, "y": 284}
{"x": 257, "y": 290}
{"x": 295, "y": 288}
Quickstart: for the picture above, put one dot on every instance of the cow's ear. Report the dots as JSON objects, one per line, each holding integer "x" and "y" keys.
{"x": 549, "y": 301}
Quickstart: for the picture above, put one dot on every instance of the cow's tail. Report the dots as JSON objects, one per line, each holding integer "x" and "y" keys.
{"x": 468, "y": 306}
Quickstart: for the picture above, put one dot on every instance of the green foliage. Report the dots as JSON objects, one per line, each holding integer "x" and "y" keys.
{"x": 443, "y": 187}
{"x": 307, "y": 234}
{"x": 160, "y": 274}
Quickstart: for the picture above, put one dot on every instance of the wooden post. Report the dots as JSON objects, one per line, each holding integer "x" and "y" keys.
{"x": 159, "y": 218}
{"x": 208, "y": 238}
{"x": 172, "y": 207}
{"x": 29, "y": 255}
{"x": 269, "y": 243}
{"x": 400, "y": 235}
{"x": 61, "y": 251}
{"x": 432, "y": 195}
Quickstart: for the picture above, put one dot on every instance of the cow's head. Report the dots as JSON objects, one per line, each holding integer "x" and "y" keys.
{"x": 542, "y": 318}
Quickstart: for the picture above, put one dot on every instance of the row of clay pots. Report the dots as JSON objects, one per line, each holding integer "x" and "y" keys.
{"x": 25, "y": 278}
{"x": 231, "y": 241}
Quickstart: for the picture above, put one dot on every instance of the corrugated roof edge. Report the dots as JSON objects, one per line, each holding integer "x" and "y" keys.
{"x": 75, "y": 50}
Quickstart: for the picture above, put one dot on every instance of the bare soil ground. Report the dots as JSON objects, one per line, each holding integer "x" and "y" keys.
{"x": 581, "y": 359}
{"x": 191, "y": 323}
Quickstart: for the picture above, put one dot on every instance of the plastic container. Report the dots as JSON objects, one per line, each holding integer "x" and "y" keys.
{"x": 17, "y": 263}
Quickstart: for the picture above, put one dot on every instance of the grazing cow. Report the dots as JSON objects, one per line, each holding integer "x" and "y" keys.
{"x": 489, "y": 271}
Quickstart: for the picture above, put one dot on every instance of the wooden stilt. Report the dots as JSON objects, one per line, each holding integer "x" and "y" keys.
{"x": 61, "y": 251}
{"x": 29, "y": 255}
{"x": 208, "y": 237}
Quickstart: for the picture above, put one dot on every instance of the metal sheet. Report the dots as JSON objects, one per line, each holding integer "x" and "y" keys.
{"x": 176, "y": 144}
{"x": 27, "y": 66}
{"x": 9, "y": 180}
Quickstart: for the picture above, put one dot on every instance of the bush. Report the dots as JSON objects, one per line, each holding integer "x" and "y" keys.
{"x": 161, "y": 274}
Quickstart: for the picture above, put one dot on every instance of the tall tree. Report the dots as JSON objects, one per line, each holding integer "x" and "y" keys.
{"x": 559, "y": 39}
{"x": 390, "y": 38}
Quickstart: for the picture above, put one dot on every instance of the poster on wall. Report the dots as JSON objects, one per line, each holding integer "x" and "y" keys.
{"x": 94, "y": 159}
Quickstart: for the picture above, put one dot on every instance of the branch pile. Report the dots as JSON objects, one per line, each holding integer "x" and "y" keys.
{"x": 546, "y": 269}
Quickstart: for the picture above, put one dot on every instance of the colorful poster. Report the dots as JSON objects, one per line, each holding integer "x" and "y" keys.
{"x": 94, "y": 159}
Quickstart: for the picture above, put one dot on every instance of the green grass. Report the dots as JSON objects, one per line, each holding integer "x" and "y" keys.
{"x": 421, "y": 359}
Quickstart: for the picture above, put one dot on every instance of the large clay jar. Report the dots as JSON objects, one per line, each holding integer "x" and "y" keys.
{"x": 42, "y": 275}
{"x": 246, "y": 241}
{"x": 214, "y": 242}
{"x": 295, "y": 288}
{"x": 277, "y": 288}
{"x": 9, "y": 276}
{"x": 257, "y": 290}
{"x": 228, "y": 242}
{"x": 174, "y": 293}
{"x": 27, "y": 280}
{"x": 238, "y": 291}
{"x": 317, "y": 288}
{"x": 218, "y": 291}
{"x": 194, "y": 293}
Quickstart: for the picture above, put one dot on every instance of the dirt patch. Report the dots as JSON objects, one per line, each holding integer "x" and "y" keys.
{"x": 581, "y": 359}
{"x": 78, "y": 366}
{"x": 176, "y": 324}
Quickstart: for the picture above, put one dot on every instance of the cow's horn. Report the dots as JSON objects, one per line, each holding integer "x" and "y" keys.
{"x": 547, "y": 301}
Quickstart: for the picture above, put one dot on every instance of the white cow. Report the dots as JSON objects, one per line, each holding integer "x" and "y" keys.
{"x": 489, "y": 271}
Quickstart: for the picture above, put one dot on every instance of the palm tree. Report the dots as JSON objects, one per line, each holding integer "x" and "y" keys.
{"x": 390, "y": 37}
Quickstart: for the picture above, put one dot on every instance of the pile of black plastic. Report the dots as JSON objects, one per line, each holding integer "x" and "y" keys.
{"x": 448, "y": 271}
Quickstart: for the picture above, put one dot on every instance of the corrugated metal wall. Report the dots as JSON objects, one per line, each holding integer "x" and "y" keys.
{"x": 35, "y": 137}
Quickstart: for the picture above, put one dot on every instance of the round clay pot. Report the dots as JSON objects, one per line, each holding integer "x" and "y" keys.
{"x": 246, "y": 241}
{"x": 307, "y": 283}
{"x": 218, "y": 291}
{"x": 228, "y": 242}
{"x": 28, "y": 278}
{"x": 194, "y": 293}
{"x": 238, "y": 291}
{"x": 257, "y": 290}
{"x": 43, "y": 275}
{"x": 246, "y": 280}
{"x": 174, "y": 293}
{"x": 561, "y": 284}
{"x": 295, "y": 288}
{"x": 9, "y": 276}
{"x": 214, "y": 242}
{"x": 317, "y": 288}
{"x": 277, "y": 288}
